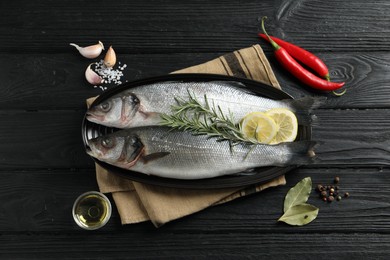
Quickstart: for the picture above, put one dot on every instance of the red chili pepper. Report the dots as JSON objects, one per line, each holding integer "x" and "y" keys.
{"x": 302, "y": 55}
{"x": 297, "y": 70}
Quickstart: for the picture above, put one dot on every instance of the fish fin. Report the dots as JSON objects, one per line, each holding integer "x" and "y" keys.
{"x": 154, "y": 156}
{"x": 302, "y": 152}
{"x": 304, "y": 106}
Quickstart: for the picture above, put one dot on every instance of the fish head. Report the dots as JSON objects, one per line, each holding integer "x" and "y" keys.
{"x": 117, "y": 111}
{"x": 119, "y": 150}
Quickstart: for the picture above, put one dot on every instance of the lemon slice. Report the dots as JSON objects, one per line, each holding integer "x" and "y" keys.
{"x": 287, "y": 125}
{"x": 258, "y": 126}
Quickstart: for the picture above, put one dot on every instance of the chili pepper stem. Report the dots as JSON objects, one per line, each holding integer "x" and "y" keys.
{"x": 340, "y": 93}
{"x": 273, "y": 43}
{"x": 337, "y": 94}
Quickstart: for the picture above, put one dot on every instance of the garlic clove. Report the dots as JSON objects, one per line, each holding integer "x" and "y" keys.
{"x": 90, "y": 52}
{"x": 110, "y": 58}
{"x": 92, "y": 77}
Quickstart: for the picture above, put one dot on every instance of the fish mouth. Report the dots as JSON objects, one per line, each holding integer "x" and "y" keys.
{"x": 88, "y": 150}
{"x": 94, "y": 118}
{"x": 89, "y": 115}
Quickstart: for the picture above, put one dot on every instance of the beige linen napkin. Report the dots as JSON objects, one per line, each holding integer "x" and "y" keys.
{"x": 138, "y": 202}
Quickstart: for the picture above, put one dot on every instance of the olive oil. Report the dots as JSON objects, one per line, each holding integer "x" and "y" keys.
{"x": 92, "y": 210}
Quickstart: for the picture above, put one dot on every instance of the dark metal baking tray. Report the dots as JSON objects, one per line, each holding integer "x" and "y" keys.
{"x": 260, "y": 175}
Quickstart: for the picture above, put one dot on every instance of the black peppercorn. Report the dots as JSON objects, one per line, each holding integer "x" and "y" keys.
{"x": 331, "y": 192}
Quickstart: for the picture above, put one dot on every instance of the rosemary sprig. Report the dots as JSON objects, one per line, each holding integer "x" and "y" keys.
{"x": 204, "y": 119}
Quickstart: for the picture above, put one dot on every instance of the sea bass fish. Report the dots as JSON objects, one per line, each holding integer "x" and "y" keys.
{"x": 164, "y": 152}
{"x": 143, "y": 105}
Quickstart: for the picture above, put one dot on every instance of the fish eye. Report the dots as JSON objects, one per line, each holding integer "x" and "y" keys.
{"x": 135, "y": 146}
{"x": 134, "y": 142}
{"x": 107, "y": 142}
{"x": 134, "y": 99}
{"x": 105, "y": 106}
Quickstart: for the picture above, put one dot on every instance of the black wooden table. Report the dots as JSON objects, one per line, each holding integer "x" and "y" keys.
{"x": 43, "y": 166}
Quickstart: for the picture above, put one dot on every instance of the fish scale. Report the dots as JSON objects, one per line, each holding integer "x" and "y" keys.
{"x": 230, "y": 96}
{"x": 156, "y": 99}
{"x": 181, "y": 155}
{"x": 143, "y": 145}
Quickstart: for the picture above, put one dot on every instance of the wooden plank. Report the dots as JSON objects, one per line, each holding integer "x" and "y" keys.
{"x": 195, "y": 26}
{"x": 56, "y": 81}
{"x": 161, "y": 245}
{"x": 44, "y": 139}
{"x": 366, "y": 210}
{"x": 142, "y": 26}
{"x": 358, "y": 137}
{"x": 43, "y": 166}
{"x": 366, "y": 77}
{"x": 335, "y": 26}
{"x": 41, "y": 201}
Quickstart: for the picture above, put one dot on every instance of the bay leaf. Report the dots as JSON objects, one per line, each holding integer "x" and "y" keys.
{"x": 298, "y": 194}
{"x": 300, "y": 215}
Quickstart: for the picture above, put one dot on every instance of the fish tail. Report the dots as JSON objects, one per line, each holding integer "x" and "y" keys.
{"x": 302, "y": 152}
{"x": 294, "y": 153}
{"x": 303, "y": 108}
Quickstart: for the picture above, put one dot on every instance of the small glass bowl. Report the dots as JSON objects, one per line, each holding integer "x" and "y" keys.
{"x": 91, "y": 210}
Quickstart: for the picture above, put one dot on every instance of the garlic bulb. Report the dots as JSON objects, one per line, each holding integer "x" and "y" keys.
{"x": 92, "y": 77}
{"x": 110, "y": 58}
{"x": 90, "y": 52}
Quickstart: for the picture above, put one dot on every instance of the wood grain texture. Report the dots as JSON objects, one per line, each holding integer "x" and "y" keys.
{"x": 200, "y": 246}
{"x": 43, "y": 166}
{"x": 44, "y": 229}
{"x": 163, "y": 23}
{"x": 193, "y": 26}
{"x": 44, "y": 139}
{"x": 40, "y": 201}
{"x": 348, "y": 137}
{"x": 56, "y": 81}
{"x": 52, "y": 138}
{"x": 334, "y": 26}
